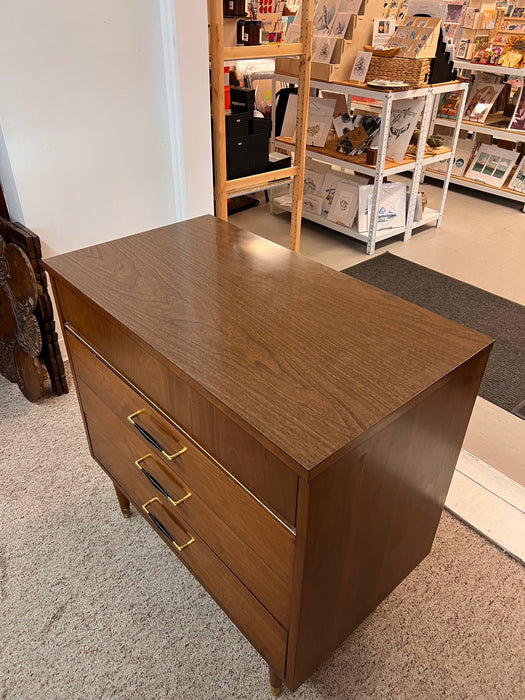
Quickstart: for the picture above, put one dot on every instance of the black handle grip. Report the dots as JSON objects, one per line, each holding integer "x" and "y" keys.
{"x": 161, "y": 527}
{"x": 155, "y": 483}
{"x": 148, "y": 437}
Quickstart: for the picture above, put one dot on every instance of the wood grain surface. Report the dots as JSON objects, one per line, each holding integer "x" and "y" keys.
{"x": 308, "y": 357}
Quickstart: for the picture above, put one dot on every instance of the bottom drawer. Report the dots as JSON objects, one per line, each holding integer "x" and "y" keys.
{"x": 250, "y": 616}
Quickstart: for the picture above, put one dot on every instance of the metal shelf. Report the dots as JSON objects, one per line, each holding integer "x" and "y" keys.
{"x": 429, "y": 217}
{"x": 384, "y": 168}
{"x": 479, "y": 186}
{"x": 496, "y": 131}
{"x": 484, "y": 68}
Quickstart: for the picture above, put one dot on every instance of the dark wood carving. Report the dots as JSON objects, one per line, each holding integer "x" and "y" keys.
{"x": 28, "y": 340}
{"x": 3, "y": 206}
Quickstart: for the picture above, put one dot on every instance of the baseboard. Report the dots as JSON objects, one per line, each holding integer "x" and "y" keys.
{"x": 490, "y": 502}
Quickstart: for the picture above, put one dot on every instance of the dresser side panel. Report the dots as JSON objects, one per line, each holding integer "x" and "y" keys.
{"x": 371, "y": 518}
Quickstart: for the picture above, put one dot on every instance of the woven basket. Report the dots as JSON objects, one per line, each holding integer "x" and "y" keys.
{"x": 413, "y": 71}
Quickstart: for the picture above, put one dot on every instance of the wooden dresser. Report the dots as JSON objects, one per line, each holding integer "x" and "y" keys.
{"x": 290, "y": 432}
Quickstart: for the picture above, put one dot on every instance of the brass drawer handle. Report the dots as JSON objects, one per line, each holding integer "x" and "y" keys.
{"x": 151, "y": 439}
{"x": 160, "y": 526}
{"x": 156, "y": 484}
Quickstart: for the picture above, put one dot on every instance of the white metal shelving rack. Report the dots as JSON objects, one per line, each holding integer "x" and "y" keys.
{"x": 498, "y": 133}
{"x": 383, "y": 168}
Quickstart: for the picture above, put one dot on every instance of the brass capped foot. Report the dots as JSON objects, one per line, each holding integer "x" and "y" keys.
{"x": 123, "y": 502}
{"x": 276, "y": 684}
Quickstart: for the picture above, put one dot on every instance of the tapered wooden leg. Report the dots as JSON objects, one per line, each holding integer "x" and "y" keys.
{"x": 123, "y": 503}
{"x": 276, "y": 683}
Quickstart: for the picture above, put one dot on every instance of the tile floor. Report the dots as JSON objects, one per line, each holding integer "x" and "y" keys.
{"x": 481, "y": 241}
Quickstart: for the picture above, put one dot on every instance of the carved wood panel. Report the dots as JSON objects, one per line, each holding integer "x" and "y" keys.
{"x": 28, "y": 340}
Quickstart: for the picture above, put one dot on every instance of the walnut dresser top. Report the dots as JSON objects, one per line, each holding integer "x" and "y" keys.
{"x": 308, "y": 357}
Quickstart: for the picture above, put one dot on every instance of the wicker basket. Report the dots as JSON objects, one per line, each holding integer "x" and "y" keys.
{"x": 413, "y": 71}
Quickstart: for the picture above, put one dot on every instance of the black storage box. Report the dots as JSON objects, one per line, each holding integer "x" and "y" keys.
{"x": 237, "y": 157}
{"x": 258, "y": 153}
{"x": 242, "y": 99}
{"x": 279, "y": 160}
{"x": 260, "y": 125}
{"x": 237, "y": 124}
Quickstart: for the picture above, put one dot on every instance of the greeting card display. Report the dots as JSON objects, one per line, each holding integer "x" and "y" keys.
{"x": 481, "y": 99}
{"x": 403, "y": 122}
{"x": 449, "y": 104}
{"x": 492, "y": 165}
{"x": 313, "y": 182}
{"x": 323, "y": 48}
{"x": 416, "y": 37}
{"x": 360, "y": 67}
{"x": 332, "y": 179}
{"x": 392, "y": 206}
{"x": 517, "y": 182}
{"x": 462, "y": 156}
{"x": 518, "y": 118}
{"x": 320, "y": 113}
{"x": 383, "y": 30}
{"x": 344, "y": 204}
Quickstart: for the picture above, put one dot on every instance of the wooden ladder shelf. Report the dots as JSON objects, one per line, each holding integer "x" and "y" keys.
{"x": 225, "y": 188}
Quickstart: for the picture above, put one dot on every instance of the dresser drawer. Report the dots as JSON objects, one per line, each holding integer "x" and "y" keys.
{"x": 142, "y": 475}
{"x": 264, "y": 632}
{"x": 261, "y": 471}
{"x": 233, "y": 504}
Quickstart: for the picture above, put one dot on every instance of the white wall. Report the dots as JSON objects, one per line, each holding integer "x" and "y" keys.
{"x": 84, "y": 116}
{"x": 192, "y": 41}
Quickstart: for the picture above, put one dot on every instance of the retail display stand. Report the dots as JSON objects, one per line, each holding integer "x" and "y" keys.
{"x": 384, "y": 168}
{"x": 488, "y": 127}
{"x": 225, "y": 188}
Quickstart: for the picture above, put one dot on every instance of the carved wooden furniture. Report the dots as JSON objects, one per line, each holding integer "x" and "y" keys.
{"x": 290, "y": 432}
{"x": 28, "y": 339}
{"x": 20, "y": 339}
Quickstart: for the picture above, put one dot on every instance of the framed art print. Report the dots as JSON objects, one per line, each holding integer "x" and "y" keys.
{"x": 492, "y": 165}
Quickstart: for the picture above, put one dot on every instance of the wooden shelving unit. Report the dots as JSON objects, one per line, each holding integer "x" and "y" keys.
{"x": 219, "y": 53}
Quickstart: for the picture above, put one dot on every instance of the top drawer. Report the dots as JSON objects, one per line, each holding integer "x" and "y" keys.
{"x": 273, "y": 482}
{"x": 235, "y": 506}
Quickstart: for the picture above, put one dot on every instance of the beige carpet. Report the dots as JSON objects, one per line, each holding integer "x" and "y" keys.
{"x": 93, "y": 606}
